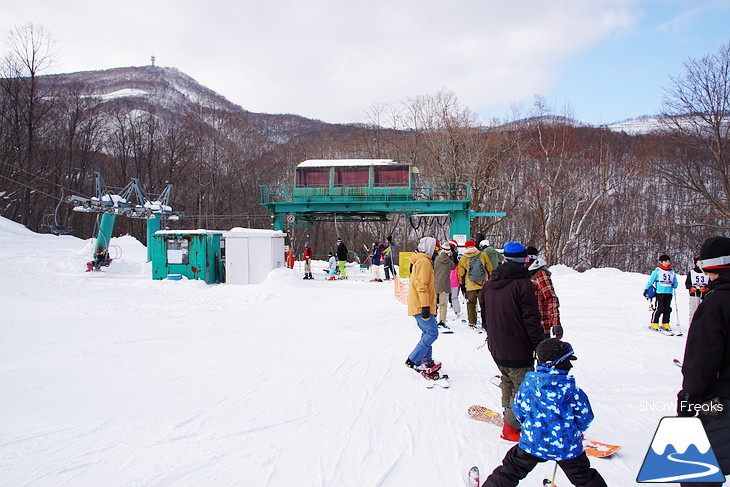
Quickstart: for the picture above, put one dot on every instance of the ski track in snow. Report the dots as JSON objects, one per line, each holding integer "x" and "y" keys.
{"x": 115, "y": 379}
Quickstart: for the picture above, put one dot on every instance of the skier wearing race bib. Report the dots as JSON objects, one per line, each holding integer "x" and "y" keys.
{"x": 697, "y": 284}
{"x": 665, "y": 280}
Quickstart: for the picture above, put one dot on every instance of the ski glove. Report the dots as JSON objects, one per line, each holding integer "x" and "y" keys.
{"x": 426, "y": 312}
{"x": 558, "y": 331}
{"x": 687, "y": 405}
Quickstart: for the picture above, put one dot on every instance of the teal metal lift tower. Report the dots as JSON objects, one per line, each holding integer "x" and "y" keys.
{"x": 366, "y": 190}
{"x": 132, "y": 201}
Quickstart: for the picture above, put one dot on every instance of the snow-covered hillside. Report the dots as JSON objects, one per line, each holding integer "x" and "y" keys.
{"x": 115, "y": 379}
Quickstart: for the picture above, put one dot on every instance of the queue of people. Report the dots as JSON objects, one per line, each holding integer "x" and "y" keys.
{"x": 513, "y": 295}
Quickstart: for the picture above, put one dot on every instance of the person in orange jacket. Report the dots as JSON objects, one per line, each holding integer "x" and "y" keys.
{"x": 422, "y": 306}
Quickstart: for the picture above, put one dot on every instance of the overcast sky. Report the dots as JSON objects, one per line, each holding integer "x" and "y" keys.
{"x": 601, "y": 60}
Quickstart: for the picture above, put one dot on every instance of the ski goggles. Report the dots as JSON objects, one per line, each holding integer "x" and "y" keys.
{"x": 714, "y": 263}
{"x": 567, "y": 356}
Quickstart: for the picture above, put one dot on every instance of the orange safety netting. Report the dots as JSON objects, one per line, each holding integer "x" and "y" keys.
{"x": 401, "y": 289}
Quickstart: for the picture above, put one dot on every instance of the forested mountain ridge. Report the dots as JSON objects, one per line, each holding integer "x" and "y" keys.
{"x": 586, "y": 196}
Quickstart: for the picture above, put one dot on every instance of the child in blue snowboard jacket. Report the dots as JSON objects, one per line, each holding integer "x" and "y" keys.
{"x": 664, "y": 279}
{"x": 553, "y": 412}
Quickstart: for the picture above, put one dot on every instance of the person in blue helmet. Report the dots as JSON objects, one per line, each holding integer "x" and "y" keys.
{"x": 554, "y": 413}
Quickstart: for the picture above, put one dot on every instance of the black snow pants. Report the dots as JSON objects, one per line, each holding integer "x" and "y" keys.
{"x": 663, "y": 308}
{"x": 718, "y": 431}
{"x": 517, "y": 464}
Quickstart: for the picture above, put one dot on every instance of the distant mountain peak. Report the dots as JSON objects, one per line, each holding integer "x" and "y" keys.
{"x": 169, "y": 93}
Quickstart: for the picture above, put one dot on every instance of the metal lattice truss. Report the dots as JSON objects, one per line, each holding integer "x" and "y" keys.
{"x": 132, "y": 201}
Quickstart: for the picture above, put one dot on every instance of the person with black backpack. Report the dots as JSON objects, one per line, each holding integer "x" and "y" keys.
{"x": 474, "y": 270}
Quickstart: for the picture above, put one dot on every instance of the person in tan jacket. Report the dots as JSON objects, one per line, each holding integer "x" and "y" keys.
{"x": 472, "y": 277}
{"x": 422, "y": 306}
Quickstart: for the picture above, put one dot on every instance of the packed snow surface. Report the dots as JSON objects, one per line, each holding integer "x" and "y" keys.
{"x": 111, "y": 378}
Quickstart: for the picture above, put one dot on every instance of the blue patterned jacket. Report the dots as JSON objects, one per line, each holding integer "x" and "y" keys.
{"x": 553, "y": 412}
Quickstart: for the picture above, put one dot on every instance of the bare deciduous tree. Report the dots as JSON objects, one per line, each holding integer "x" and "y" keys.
{"x": 697, "y": 109}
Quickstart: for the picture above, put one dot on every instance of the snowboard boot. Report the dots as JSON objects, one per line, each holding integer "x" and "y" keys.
{"x": 430, "y": 366}
{"x": 331, "y": 278}
{"x": 424, "y": 368}
{"x": 509, "y": 433}
{"x": 431, "y": 375}
{"x": 666, "y": 327}
{"x": 654, "y": 326}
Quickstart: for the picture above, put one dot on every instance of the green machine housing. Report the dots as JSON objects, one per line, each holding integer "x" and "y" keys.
{"x": 195, "y": 254}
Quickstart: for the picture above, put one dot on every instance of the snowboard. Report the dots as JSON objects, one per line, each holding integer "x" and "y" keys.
{"x": 444, "y": 329}
{"x": 591, "y": 447}
{"x": 442, "y": 381}
{"x": 472, "y": 477}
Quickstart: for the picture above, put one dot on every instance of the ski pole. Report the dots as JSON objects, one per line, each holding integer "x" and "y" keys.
{"x": 676, "y": 304}
{"x": 551, "y": 483}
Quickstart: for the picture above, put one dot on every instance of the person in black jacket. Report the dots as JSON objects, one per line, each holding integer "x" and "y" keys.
{"x": 342, "y": 257}
{"x": 706, "y": 366}
{"x": 512, "y": 320}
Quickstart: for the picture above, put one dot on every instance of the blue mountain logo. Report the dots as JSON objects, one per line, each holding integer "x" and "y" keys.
{"x": 680, "y": 452}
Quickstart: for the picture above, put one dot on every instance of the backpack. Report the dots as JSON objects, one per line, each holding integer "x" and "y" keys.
{"x": 477, "y": 271}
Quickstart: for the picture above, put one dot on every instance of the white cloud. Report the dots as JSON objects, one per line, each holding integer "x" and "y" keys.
{"x": 332, "y": 60}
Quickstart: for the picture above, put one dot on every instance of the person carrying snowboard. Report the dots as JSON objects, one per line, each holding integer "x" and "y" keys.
{"x": 554, "y": 413}
{"x": 665, "y": 281}
{"x": 422, "y": 306}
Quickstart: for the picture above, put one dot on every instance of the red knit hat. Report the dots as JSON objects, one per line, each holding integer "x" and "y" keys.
{"x": 453, "y": 243}
{"x": 469, "y": 243}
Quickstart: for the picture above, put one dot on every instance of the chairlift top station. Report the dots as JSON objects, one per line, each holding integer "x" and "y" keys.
{"x": 332, "y": 190}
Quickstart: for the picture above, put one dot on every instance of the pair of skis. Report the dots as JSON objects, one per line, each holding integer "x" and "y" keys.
{"x": 668, "y": 333}
{"x": 476, "y": 326}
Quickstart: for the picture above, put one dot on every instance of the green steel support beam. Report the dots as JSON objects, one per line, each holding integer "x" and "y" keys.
{"x": 153, "y": 224}
{"x": 106, "y": 226}
{"x": 492, "y": 213}
{"x": 460, "y": 223}
{"x": 406, "y": 207}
